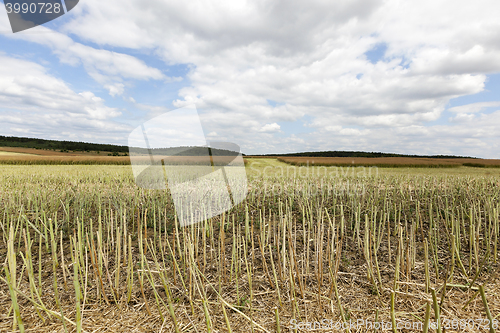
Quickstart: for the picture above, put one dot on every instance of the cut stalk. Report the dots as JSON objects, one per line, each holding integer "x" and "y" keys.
{"x": 486, "y": 309}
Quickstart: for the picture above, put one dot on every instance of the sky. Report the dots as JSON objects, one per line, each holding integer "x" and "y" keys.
{"x": 410, "y": 77}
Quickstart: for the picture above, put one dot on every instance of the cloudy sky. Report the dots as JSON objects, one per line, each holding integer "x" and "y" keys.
{"x": 415, "y": 77}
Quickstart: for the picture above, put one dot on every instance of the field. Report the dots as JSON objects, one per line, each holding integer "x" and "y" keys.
{"x": 85, "y": 250}
{"x": 43, "y": 152}
{"x": 31, "y": 156}
{"x": 391, "y": 162}
{"x": 8, "y": 153}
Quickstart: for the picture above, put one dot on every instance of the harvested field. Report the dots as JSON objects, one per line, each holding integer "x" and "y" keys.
{"x": 42, "y": 152}
{"x": 9, "y": 153}
{"x": 63, "y": 159}
{"x": 58, "y": 158}
{"x": 391, "y": 162}
{"x": 84, "y": 249}
{"x": 31, "y": 156}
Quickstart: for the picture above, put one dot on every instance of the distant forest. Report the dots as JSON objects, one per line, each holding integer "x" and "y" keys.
{"x": 357, "y": 154}
{"x": 64, "y": 146}
{"x": 12, "y": 141}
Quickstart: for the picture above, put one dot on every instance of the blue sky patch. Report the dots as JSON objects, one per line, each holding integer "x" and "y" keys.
{"x": 376, "y": 53}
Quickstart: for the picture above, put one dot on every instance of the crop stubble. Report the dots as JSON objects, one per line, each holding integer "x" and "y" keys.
{"x": 87, "y": 243}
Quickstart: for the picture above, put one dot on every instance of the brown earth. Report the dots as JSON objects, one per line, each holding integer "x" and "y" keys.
{"x": 389, "y": 161}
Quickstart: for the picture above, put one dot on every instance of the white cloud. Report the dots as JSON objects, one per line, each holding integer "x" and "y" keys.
{"x": 474, "y": 107}
{"x": 270, "y": 128}
{"x": 115, "y": 89}
{"x": 34, "y": 102}
{"x": 25, "y": 85}
{"x": 307, "y": 57}
{"x": 107, "y": 67}
{"x": 462, "y": 118}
